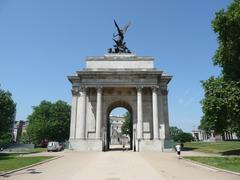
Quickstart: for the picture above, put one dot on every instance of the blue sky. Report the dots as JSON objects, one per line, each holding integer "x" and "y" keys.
{"x": 41, "y": 42}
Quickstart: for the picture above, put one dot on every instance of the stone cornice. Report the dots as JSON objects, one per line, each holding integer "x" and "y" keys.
{"x": 122, "y": 57}
{"x": 119, "y": 72}
{"x": 133, "y": 85}
{"x": 165, "y": 79}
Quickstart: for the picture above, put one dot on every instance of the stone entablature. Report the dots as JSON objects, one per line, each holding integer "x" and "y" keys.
{"x": 119, "y": 80}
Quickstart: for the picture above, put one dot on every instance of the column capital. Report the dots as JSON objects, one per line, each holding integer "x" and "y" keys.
{"x": 75, "y": 92}
{"x": 154, "y": 88}
{"x": 164, "y": 91}
{"x": 139, "y": 88}
{"x": 99, "y": 89}
{"x": 82, "y": 90}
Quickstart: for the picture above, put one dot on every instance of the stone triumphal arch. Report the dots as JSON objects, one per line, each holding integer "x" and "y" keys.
{"x": 119, "y": 80}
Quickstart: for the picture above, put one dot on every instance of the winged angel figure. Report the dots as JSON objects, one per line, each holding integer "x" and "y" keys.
{"x": 118, "y": 38}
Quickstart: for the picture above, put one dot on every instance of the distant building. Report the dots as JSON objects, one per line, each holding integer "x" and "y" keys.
{"x": 200, "y": 135}
{"x": 116, "y": 123}
{"x": 18, "y": 129}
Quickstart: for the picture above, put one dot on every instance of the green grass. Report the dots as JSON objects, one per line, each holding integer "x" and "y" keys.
{"x": 38, "y": 150}
{"x": 28, "y": 150}
{"x": 14, "y": 161}
{"x": 227, "y": 163}
{"x": 223, "y": 148}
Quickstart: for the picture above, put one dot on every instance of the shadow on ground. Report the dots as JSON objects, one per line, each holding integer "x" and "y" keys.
{"x": 5, "y": 156}
{"x": 115, "y": 149}
{"x": 189, "y": 149}
{"x": 118, "y": 149}
{"x": 232, "y": 152}
{"x": 28, "y": 171}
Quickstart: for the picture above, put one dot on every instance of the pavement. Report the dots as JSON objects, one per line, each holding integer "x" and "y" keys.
{"x": 119, "y": 165}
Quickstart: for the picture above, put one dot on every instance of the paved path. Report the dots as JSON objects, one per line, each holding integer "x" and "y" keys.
{"x": 118, "y": 165}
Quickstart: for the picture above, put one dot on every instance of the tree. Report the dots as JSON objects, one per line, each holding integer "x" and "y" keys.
{"x": 49, "y": 121}
{"x": 25, "y": 138}
{"x": 174, "y": 132}
{"x": 126, "y": 124}
{"x": 221, "y": 104}
{"x": 227, "y": 26}
{"x": 7, "y": 116}
{"x": 184, "y": 137}
{"x": 179, "y": 136}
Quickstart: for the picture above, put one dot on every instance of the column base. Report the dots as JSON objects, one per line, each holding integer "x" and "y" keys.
{"x": 168, "y": 145}
{"x": 85, "y": 144}
{"x": 155, "y": 145}
{"x": 151, "y": 145}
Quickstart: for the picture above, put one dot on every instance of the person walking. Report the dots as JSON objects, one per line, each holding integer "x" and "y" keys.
{"x": 178, "y": 149}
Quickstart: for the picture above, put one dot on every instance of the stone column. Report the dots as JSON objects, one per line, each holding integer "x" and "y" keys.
{"x": 99, "y": 113}
{"x": 164, "y": 99}
{"x": 81, "y": 114}
{"x": 73, "y": 114}
{"x": 139, "y": 113}
{"x": 155, "y": 113}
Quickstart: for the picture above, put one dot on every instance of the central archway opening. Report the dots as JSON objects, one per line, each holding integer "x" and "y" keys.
{"x": 119, "y": 127}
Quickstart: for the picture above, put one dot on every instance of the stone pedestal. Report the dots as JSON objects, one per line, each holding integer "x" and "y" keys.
{"x": 151, "y": 145}
{"x": 85, "y": 145}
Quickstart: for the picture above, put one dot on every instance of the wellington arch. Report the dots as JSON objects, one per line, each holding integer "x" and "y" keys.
{"x": 119, "y": 80}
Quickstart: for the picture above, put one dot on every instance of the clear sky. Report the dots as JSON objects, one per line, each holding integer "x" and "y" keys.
{"x": 41, "y": 42}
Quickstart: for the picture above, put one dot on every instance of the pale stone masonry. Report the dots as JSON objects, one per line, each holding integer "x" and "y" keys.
{"x": 119, "y": 80}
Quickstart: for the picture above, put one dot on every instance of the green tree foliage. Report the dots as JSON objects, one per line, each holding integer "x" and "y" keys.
{"x": 25, "y": 138}
{"x": 7, "y": 116}
{"x": 179, "y": 136}
{"x": 126, "y": 124}
{"x": 221, "y": 103}
{"x": 227, "y": 26}
{"x": 174, "y": 131}
{"x": 184, "y": 137}
{"x": 49, "y": 121}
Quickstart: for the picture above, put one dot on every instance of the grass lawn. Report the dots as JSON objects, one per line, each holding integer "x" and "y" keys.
{"x": 227, "y": 163}
{"x": 37, "y": 150}
{"x": 27, "y": 150}
{"x": 14, "y": 161}
{"x": 223, "y": 148}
